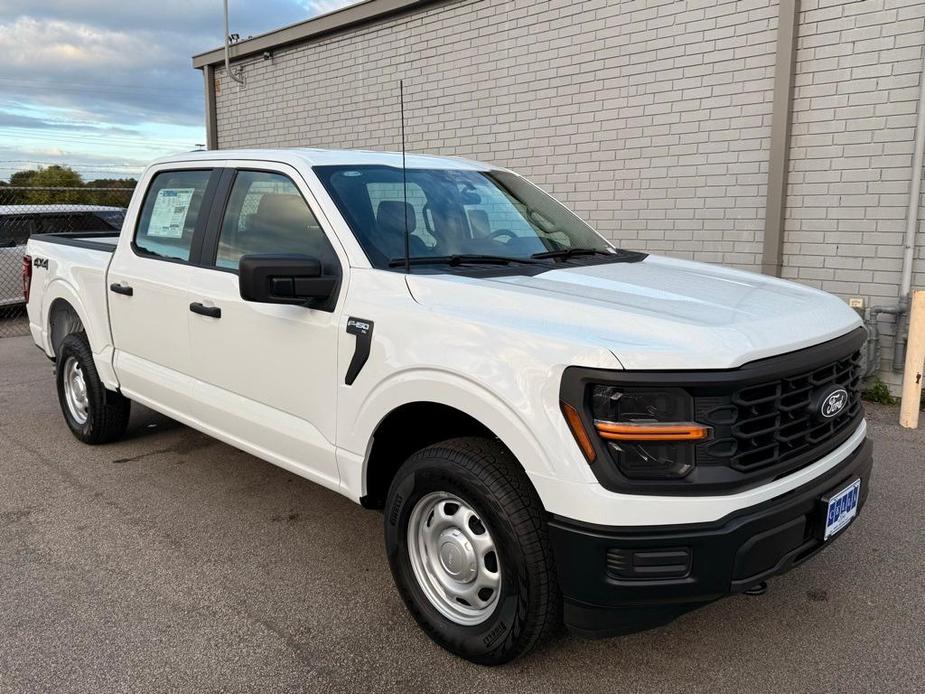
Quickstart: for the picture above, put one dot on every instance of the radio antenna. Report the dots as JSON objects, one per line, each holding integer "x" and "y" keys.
{"x": 404, "y": 177}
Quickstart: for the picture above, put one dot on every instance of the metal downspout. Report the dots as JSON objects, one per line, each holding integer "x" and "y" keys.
{"x": 912, "y": 223}
{"x": 236, "y": 77}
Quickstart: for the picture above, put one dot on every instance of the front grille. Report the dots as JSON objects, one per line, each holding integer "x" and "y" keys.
{"x": 766, "y": 415}
{"x": 776, "y": 423}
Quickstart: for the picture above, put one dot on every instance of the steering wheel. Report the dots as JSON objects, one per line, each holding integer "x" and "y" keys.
{"x": 502, "y": 232}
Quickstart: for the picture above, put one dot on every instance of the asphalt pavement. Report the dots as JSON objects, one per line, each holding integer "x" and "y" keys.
{"x": 172, "y": 562}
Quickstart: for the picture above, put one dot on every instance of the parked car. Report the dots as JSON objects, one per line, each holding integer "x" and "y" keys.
{"x": 554, "y": 428}
{"x": 19, "y": 222}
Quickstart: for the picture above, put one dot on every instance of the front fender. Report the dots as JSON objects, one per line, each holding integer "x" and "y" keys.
{"x": 485, "y": 406}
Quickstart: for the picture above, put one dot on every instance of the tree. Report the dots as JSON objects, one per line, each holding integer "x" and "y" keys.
{"x": 53, "y": 177}
{"x": 112, "y": 183}
{"x": 115, "y": 198}
{"x": 22, "y": 178}
{"x": 17, "y": 180}
{"x": 62, "y": 184}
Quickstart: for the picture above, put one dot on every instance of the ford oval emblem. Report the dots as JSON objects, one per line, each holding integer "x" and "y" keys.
{"x": 834, "y": 403}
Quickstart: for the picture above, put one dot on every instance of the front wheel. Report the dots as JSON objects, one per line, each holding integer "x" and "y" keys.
{"x": 93, "y": 414}
{"x": 467, "y": 544}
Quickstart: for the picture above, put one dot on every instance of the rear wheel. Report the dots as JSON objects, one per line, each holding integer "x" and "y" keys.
{"x": 467, "y": 544}
{"x": 94, "y": 414}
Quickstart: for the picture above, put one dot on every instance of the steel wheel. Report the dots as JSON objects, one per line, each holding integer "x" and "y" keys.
{"x": 75, "y": 391}
{"x": 453, "y": 557}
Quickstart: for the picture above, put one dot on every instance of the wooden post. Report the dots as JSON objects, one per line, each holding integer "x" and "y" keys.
{"x": 915, "y": 362}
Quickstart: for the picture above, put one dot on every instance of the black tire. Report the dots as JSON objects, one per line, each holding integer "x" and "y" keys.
{"x": 107, "y": 411}
{"x": 485, "y": 475}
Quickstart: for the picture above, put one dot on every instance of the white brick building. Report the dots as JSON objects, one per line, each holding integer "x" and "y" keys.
{"x": 774, "y": 136}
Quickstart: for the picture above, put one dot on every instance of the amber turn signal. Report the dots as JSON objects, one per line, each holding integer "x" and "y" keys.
{"x": 578, "y": 431}
{"x": 624, "y": 431}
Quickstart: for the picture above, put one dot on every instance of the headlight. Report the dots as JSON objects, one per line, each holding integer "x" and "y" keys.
{"x": 648, "y": 432}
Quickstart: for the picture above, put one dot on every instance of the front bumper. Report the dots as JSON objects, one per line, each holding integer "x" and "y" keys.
{"x": 620, "y": 580}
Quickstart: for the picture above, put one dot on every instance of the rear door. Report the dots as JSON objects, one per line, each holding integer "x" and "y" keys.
{"x": 266, "y": 373}
{"x": 148, "y": 285}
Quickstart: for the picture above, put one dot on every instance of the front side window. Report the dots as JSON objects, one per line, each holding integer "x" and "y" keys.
{"x": 267, "y": 214}
{"x": 170, "y": 212}
{"x": 448, "y": 212}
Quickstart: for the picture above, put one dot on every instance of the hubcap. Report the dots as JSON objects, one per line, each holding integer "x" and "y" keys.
{"x": 75, "y": 391}
{"x": 454, "y": 558}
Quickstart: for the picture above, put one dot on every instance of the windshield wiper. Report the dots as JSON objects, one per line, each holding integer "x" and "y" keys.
{"x": 458, "y": 259}
{"x": 569, "y": 253}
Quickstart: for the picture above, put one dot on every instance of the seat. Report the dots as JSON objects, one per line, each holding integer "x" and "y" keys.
{"x": 283, "y": 223}
{"x": 479, "y": 224}
{"x": 276, "y": 225}
{"x": 391, "y": 218}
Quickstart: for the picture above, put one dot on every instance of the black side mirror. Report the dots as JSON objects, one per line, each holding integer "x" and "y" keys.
{"x": 285, "y": 278}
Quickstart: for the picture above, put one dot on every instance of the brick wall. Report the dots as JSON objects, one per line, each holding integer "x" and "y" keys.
{"x": 854, "y": 112}
{"x": 651, "y": 118}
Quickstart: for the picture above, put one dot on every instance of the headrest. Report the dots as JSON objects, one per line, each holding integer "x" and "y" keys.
{"x": 478, "y": 222}
{"x": 280, "y": 210}
{"x": 390, "y": 216}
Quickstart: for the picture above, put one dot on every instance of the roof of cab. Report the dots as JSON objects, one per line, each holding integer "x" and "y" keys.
{"x": 329, "y": 157}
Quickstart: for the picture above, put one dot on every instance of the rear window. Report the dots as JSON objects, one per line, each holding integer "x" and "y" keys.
{"x": 111, "y": 219}
{"x": 170, "y": 212}
{"x": 60, "y": 222}
{"x": 15, "y": 230}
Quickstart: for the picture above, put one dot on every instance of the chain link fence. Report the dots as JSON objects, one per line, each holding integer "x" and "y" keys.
{"x": 25, "y": 211}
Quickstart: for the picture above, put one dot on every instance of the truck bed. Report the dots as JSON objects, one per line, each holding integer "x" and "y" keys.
{"x": 71, "y": 267}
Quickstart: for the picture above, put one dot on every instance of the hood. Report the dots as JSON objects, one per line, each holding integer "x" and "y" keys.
{"x": 660, "y": 313}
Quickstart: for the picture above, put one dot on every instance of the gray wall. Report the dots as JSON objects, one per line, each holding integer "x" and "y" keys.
{"x": 854, "y": 112}
{"x": 652, "y": 119}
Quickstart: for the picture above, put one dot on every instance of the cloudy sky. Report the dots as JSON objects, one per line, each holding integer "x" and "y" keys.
{"x": 106, "y": 85}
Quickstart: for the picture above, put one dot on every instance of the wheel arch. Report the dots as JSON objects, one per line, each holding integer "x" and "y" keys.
{"x": 63, "y": 320}
{"x": 63, "y": 314}
{"x": 61, "y": 299}
{"x": 417, "y": 410}
{"x": 403, "y": 431}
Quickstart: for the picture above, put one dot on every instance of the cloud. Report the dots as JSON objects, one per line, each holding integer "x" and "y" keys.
{"x": 316, "y": 7}
{"x": 86, "y": 76}
{"x": 18, "y": 120}
{"x": 193, "y": 17}
{"x": 91, "y": 166}
{"x": 104, "y": 74}
{"x": 124, "y": 60}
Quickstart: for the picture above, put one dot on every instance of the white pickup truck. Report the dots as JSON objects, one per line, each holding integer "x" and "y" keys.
{"x": 555, "y": 429}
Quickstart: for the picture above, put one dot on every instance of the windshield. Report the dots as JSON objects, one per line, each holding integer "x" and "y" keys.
{"x": 452, "y": 213}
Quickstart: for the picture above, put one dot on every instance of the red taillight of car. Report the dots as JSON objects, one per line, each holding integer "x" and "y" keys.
{"x": 26, "y": 276}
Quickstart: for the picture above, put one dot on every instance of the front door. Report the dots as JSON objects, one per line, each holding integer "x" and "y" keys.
{"x": 266, "y": 373}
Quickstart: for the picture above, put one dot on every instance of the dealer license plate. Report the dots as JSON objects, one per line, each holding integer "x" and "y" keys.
{"x": 842, "y": 508}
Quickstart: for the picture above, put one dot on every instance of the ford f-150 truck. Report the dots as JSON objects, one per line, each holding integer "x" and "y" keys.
{"x": 556, "y": 429}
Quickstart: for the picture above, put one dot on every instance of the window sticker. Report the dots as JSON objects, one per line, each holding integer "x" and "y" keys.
{"x": 169, "y": 214}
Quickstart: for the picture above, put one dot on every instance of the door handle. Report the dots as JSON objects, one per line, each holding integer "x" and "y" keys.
{"x": 210, "y": 311}
{"x": 121, "y": 289}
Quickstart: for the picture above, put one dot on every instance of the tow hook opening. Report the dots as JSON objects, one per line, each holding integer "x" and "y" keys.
{"x": 758, "y": 589}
